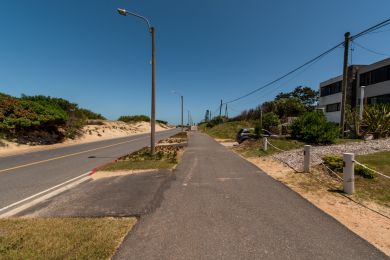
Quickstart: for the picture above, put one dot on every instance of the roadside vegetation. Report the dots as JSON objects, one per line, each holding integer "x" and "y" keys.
{"x": 62, "y": 238}
{"x": 139, "y": 118}
{"x": 166, "y": 156}
{"x": 41, "y": 119}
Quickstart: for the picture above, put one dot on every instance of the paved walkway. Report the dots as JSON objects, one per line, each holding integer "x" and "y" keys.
{"x": 222, "y": 207}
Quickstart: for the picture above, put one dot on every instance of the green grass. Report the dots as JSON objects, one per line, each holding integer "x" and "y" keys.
{"x": 227, "y": 130}
{"x": 62, "y": 238}
{"x": 255, "y": 148}
{"x": 377, "y": 189}
{"x": 165, "y": 157}
{"x": 347, "y": 140}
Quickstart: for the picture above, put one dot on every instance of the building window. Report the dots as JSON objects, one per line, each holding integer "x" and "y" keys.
{"x": 331, "y": 89}
{"x": 375, "y": 76}
{"x": 333, "y": 107}
{"x": 383, "y": 99}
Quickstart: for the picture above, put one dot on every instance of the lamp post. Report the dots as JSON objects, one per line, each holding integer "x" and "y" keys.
{"x": 361, "y": 108}
{"x": 153, "y": 108}
{"x": 182, "y": 108}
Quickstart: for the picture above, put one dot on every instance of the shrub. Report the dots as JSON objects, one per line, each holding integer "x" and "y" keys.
{"x": 376, "y": 120}
{"x": 270, "y": 121}
{"x": 335, "y": 163}
{"x": 312, "y": 127}
{"x": 133, "y": 119}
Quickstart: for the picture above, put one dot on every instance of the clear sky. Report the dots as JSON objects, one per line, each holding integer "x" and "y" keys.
{"x": 206, "y": 49}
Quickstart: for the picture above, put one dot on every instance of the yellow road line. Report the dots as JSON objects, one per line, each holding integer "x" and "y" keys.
{"x": 68, "y": 155}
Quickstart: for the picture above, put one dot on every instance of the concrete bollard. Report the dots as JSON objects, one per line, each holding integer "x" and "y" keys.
{"x": 348, "y": 173}
{"x": 265, "y": 143}
{"x": 307, "y": 158}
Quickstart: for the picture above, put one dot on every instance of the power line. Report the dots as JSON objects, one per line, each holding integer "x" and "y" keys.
{"x": 370, "y": 50}
{"x": 364, "y": 32}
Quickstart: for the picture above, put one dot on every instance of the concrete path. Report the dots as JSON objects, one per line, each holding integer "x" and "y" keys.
{"x": 223, "y": 207}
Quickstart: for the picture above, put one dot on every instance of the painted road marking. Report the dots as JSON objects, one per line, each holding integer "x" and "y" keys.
{"x": 69, "y": 155}
{"x": 42, "y": 192}
{"x": 187, "y": 179}
{"x": 43, "y": 198}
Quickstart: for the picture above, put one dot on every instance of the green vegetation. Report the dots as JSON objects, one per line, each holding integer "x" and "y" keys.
{"x": 270, "y": 121}
{"x": 312, "y": 127}
{"x": 165, "y": 157}
{"x": 376, "y": 120}
{"x": 162, "y": 122}
{"x": 368, "y": 185}
{"x": 41, "y": 119}
{"x": 255, "y": 148}
{"x": 226, "y": 130}
{"x": 62, "y": 238}
{"x": 335, "y": 163}
{"x": 134, "y": 119}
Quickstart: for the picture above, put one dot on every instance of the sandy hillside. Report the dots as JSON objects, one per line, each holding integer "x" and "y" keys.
{"x": 99, "y": 130}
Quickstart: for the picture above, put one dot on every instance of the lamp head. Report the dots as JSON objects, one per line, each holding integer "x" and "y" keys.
{"x": 122, "y": 11}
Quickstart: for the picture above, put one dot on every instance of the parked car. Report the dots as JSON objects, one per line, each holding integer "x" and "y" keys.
{"x": 245, "y": 134}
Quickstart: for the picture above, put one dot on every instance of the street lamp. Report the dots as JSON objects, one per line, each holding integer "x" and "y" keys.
{"x": 153, "y": 108}
{"x": 181, "y": 97}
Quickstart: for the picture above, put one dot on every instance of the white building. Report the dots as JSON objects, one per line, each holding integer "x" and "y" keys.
{"x": 376, "y": 81}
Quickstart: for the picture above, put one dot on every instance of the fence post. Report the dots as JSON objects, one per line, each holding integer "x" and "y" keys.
{"x": 265, "y": 143}
{"x": 306, "y": 158}
{"x": 348, "y": 173}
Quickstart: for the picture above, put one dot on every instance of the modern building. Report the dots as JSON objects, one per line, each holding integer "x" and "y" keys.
{"x": 374, "y": 78}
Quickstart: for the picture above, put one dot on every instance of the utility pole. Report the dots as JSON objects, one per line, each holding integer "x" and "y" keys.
{"x": 188, "y": 117}
{"x": 344, "y": 83}
{"x": 226, "y": 111}
{"x": 182, "y": 130}
{"x": 220, "y": 109}
{"x": 261, "y": 120}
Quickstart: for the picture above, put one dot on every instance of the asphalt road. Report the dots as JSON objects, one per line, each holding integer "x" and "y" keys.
{"x": 26, "y": 174}
{"x": 222, "y": 207}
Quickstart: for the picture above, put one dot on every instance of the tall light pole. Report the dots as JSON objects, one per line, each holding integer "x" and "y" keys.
{"x": 182, "y": 107}
{"x": 153, "y": 108}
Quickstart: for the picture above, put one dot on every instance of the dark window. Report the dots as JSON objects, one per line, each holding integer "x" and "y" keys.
{"x": 331, "y": 89}
{"x": 333, "y": 107}
{"x": 375, "y": 76}
{"x": 383, "y": 99}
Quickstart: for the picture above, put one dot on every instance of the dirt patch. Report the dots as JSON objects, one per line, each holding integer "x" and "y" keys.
{"x": 371, "y": 226}
{"x": 107, "y": 174}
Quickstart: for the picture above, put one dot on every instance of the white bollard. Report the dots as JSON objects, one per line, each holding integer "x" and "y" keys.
{"x": 306, "y": 158}
{"x": 265, "y": 143}
{"x": 348, "y": 173}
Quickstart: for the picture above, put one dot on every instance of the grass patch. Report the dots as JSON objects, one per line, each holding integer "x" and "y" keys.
{"x": 227, "y": 130}
{"x": 62, "y": 238}
{"x": 165, "y": 157}
{"x": 255, "y": 148}
{"x": 377, "y": 189}
{"x": 347, "y": 140}
{"x": 179, "y": 135}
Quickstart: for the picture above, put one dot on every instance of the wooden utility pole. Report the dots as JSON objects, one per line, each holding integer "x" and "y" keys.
{"x": 226, "y": 111}
{"x": 344, "y": 83}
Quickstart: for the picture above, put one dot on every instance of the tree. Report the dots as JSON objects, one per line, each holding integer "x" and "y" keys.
{"x": 306, "y": 95}
{"x": 289, "y": 107}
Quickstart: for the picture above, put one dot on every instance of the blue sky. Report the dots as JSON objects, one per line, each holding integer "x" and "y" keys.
{"x": 206, "y": 49}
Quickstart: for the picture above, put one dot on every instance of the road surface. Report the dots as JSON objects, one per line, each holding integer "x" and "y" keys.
{"x": 222, "y": 207}
{"x": 24, "y": 175}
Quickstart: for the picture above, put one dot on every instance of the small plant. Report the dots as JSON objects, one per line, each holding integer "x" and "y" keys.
{"x": 376, "y": 120}
{"x": 335, "y": 163}
{"x": 312, "y": 127}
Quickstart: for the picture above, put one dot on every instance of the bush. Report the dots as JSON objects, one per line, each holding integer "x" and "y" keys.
{"x": 335, "y": 163}
{"x": 376, "y": 120}
{"x": 133, "y": 119}
{"x": 270, "y": 121}
{"x": 312, "y": 127}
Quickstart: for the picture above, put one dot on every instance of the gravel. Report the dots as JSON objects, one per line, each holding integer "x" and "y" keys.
{"x": 294, "y": 158}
